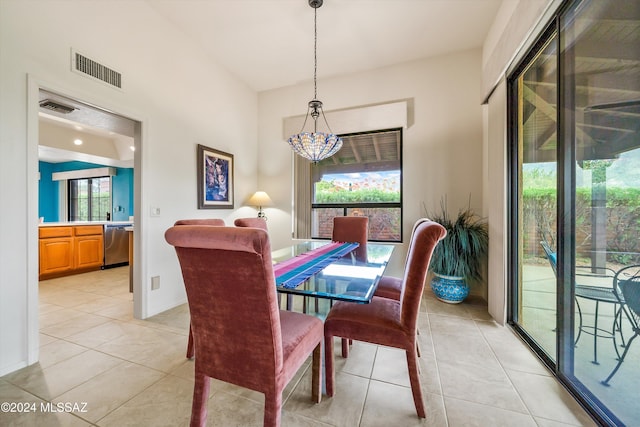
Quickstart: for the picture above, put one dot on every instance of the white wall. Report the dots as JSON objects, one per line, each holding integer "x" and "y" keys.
{"x": 442, "y": 144}
{"x": 516, "y": 25}
{"x": 181, "y": 98}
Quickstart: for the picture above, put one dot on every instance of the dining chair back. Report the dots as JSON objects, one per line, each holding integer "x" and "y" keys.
{"x": 240, "y": 335}
{"x": 390, "y": 286}
{"x": 216, "y": 222}
{"x": 385, "y": 321}
{"x": 251, "y": 222}
{"x": 201, "y": 221}
{"x": 352, "y": 229}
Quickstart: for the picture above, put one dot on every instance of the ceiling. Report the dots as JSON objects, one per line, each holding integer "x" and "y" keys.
{"x": 607, "y": 89}
{"x": 269, "y": 44}
{"x": 107, "y": 137}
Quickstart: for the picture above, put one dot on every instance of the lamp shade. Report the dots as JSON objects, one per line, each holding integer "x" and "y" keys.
{"x": 260, "y": 198}
{"x": 315, "y": 146}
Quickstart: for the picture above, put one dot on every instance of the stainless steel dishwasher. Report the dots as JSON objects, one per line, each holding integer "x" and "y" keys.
{"x": 116, "y": 245}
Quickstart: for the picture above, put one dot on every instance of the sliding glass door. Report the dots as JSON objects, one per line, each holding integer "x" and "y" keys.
{"x": 575, "y": 120}
{"x": 536, "y": 194}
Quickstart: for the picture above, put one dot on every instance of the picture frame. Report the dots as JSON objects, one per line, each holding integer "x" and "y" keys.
{"x": 215, "y": 178}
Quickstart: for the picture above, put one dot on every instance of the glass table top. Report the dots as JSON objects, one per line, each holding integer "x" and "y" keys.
{"x": 346, "y": 279}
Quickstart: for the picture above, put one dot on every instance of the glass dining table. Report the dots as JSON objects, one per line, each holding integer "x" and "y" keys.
{"x": 344, "y": 279}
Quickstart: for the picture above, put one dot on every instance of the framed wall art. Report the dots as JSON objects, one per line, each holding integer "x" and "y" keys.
{"x": 215, "y": 179}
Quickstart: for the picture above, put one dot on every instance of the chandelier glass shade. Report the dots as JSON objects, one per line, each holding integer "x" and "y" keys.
{"x": 315, "y": 145}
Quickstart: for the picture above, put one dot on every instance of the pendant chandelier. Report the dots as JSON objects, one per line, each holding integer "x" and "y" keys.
{"x": 315, "y": 145}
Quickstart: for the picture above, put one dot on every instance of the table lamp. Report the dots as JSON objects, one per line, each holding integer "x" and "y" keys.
{"x": 260, "y": 199}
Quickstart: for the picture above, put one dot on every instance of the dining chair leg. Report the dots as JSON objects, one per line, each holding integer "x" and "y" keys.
{"x": 345, "y": 347}
{"x": 200, "y": 400}
{"x": 190, "y": 351}
{"x": 329, "y": 370}
{"x": 272, "y": 409}
{"x": 316, "y": 374}
{"x": 414, "y": 379}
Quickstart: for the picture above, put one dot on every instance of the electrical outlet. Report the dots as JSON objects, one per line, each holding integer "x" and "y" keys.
{"x": 155, "y": 283}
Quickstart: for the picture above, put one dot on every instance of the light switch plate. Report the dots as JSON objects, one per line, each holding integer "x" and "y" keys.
{"x": 155, "y": 211}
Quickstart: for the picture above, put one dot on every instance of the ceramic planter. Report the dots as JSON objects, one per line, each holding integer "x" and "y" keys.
{"x": 449, "y": 289}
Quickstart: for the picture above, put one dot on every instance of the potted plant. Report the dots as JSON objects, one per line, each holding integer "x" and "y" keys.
{"x": 459, "y": 256}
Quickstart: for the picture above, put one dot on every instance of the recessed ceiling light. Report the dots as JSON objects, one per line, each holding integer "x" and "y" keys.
{"x": 132, "y": 147}
{"x": 77, "y": 141}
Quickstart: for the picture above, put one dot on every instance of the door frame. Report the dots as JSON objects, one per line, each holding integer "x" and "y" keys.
{"x": 140, "y": 300}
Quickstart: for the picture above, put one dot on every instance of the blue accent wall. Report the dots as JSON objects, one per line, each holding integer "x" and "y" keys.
{"x": 122, "y": 198}
{"x": 49, "y": 194}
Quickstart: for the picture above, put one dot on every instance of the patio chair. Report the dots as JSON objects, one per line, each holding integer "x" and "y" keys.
{"x": 626, "y": 287}
{"x": 598, "y": 294}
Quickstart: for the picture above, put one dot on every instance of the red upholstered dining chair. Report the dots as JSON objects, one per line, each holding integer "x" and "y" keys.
{"x": 251, "y": 222}
{"x": 352, "y": 229}
{"x": 241, "y": 336}
{"x": 198, "y": 221}
{"x": 386, "y": 321}
{"x": 389, "y": 287}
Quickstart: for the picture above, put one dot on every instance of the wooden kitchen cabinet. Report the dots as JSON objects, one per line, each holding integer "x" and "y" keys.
{"x": 89, "y": 247}
{"x": 56, "y": 251}
{"x": 69, "y": 250}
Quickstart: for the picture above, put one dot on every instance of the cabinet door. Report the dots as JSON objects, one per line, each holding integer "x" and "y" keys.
{"x": 89, "y": 252}
{"x": 56, "y": 255}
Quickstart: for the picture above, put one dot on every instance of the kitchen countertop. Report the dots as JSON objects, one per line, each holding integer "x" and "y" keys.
{"x": 72, "y": 223}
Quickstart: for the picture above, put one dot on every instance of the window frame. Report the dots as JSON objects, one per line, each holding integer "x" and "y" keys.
{"x": 90, "y": 198}
{"x": 363, "y": 205}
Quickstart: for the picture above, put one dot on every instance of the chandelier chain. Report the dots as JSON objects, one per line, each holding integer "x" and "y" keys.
{"x": 315, "y": 146}
{"x": 315, "y": 52}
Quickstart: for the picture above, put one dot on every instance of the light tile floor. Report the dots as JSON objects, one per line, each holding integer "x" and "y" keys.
{"x": 134, "y": 373}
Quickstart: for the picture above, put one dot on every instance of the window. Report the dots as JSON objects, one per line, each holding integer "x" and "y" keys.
{"x": 363, "y": 178}
{"x": 90, "y": 199}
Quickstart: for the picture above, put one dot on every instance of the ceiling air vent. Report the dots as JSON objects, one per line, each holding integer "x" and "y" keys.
{"x": 96, "y": 70}
{"x": 56, "y": 106}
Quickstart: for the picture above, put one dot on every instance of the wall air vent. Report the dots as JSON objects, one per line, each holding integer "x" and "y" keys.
{"x": 87, "y": 66}
{"x": 56, "y": 106}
